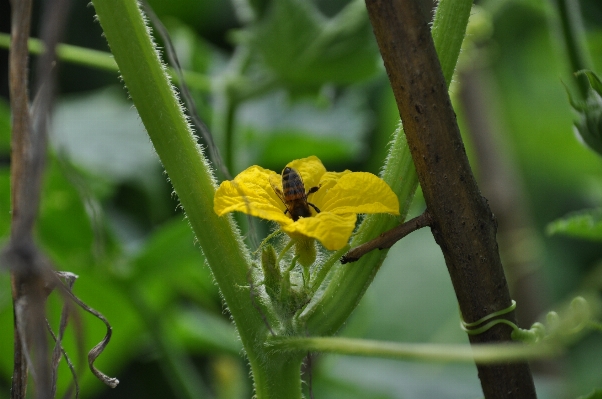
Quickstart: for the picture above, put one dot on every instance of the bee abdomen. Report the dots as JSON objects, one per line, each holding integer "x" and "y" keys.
{"x": 292, "y": 185}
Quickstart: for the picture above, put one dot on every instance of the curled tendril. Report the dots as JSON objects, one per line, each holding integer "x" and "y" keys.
{"x": 96, "y": 350}
{"x": 578, "y": 318}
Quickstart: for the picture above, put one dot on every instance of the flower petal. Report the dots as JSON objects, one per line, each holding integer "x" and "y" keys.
{"x": 331, "y": 229}
{"x": 250, "y": 192}
{"x": 310, "y": 169}
{"x": 328, "y": 181}
{"x": 360, "y": 192}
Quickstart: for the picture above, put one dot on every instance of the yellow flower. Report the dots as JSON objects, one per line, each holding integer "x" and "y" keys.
{"x": 340, "y": 197}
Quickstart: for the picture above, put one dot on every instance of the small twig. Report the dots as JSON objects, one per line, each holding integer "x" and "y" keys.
{"x": 21, "y": 122}
{"x": 30, "y": 274}
{"x": 388, "y": 238}
{"x": 26, "y": 283}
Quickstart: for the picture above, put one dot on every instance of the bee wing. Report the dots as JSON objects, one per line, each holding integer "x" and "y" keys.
{"x": 311, "y": 190}
{"x": 276, "y": 183}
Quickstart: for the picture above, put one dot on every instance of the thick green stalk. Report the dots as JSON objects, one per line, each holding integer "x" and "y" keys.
{"x": 279, "y": 376}
{"x": 191, "y": 176}
{"x": 449, "y": 28}
{"x": 349, "y": 282}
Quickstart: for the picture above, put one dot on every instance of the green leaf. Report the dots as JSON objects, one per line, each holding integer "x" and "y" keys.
{"x": 305, "y": 50}
{"x": 205, "y": 332}
{"x": 279, "y": 130}
{"x": 5, "y": 214}
{"x": 113, "y": 143}
{"x": 583, "y": 224}
{"x": 64, "y": 227}
{"x": 593, "y": 79}
{"x": 170, "y": 263}
{"x": 287, "y": 145}
{"x": 4, "y": 128}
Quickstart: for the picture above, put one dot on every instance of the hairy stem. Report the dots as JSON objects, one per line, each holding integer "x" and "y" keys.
{"x": 485, "y": 353}
{"x": 193, "y": 181}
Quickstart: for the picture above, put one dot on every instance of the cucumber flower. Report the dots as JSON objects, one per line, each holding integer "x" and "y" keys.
{"x": 329, "y": 201}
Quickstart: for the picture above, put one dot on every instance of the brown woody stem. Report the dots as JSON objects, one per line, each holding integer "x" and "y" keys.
{"x": 462, "y": 223}
{"x": 31, "y": 272}
{"x": 388, "y": 238}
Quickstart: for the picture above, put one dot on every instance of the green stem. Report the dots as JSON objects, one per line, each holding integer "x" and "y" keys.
{"x": 192, "y": 179}
{"x": 326, "y": 267}
{"x": 66, "y": 52}
{"x": 348, "y": 284}
{"x": 449, "y": 28}
{"x": 279, "y": 377}
{"x": 101, "y": 60}
{"x": 487, "y": 353}
{"x": 573, "y": 35}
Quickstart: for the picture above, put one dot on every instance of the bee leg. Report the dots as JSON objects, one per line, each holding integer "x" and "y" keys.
{"x": 285, "y": 211}
{"x": 313, "y": 190}
{"x": 313, "y": 206}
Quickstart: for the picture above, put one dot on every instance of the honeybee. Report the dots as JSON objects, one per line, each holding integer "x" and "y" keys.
{"x": 293, "y": 194}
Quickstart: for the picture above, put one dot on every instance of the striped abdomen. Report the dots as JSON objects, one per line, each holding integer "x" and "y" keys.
{"x": 293, "y": 191}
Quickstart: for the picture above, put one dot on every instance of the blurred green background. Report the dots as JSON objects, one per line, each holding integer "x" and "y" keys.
{"x": 311, "y": 84}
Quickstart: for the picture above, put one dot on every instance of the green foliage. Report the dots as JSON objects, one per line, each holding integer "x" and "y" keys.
{"x": 589, "y": 122}
{"x": 583, "y": 224}
{"x": 305, "y": 50}
{"x": 4, "y": 127}
{"x": 274, "y": 129}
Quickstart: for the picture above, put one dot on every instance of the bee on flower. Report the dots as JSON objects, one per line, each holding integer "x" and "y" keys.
{"x": 293, "y": 194}
{"x": 306, "y": 200}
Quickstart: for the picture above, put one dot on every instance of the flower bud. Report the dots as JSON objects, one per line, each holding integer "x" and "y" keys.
{"x": 305, "y": 249}
{"x": 588, "y": 126}
{"x": 271, "y": 271}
